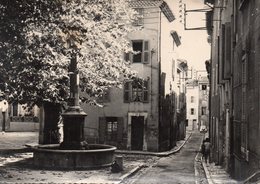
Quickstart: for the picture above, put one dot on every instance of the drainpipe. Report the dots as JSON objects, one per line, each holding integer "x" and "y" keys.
{"x": 159, "y": 77}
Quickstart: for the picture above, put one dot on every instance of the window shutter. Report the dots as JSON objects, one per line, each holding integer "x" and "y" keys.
{"x": 228, "y": 45}
{"x": 244, "y": 86}
{"x": 244, "y": 69}
{"x": 146, "y": 91}
{"x": 120, "y": 129}
{"x": 127, "y": 92}
{"x": 146, "y": 52}
{"x": 102, "y": 130}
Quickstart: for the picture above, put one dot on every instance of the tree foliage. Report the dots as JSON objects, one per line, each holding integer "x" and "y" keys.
{"x": 39, "y": 37}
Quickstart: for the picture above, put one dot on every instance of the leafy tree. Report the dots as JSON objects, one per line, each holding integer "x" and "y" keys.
{"x": 39, "y": 37}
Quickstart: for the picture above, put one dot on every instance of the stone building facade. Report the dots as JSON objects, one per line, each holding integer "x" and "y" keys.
{"x": 234, "y": 122}
{"x": 142, "y": 116}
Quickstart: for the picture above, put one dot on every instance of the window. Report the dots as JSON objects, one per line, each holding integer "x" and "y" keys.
{"x": 142, "y": 52}
{"x": 111, "y": 130}
{"x": 204, "y": 87}
{"x": 137, "y": 47}
{"x": 192, "y": 111}
{"x": 136, "y": 91}
{"x": 140, "y": 17}
{"x": 192, "y": 99}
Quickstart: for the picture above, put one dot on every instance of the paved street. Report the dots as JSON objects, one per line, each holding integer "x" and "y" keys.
{"x": 178, "y": 168}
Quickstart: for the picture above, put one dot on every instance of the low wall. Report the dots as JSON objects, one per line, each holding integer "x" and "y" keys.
{"x": 23, "y": 126}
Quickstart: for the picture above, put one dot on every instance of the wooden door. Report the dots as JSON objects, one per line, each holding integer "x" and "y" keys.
{"x": 137, "y": 132}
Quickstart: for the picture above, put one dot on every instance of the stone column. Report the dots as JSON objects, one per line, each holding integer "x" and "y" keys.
{"x": 74, "y": 116}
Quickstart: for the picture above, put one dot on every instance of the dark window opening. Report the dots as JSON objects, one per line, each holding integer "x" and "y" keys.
{"x": 137, "y": 47}
{"x": 192, "y": 111}
{"x": 136, "y": 91}
{"x": 112, "y": 126}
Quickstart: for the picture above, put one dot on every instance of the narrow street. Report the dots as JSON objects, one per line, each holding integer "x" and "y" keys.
{"x": 177, "y": 168}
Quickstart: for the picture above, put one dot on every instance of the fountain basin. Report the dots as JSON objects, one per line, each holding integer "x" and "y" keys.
{"x": 51, "y": 157}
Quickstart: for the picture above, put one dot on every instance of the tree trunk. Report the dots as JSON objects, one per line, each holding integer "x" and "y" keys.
{"x": 51, "y": 117}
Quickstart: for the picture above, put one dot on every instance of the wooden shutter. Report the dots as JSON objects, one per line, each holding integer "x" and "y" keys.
{"x": 146, "y": 52}
{"x": 228, "y": 45}
{"x": 127, "y": 92}
{"x": 222, "y": 50}
{"x": 102, "y": 129}
{"x": 146, "y": 91}
{"x": 244, "y": 86}
{"x": 120, "y": 128}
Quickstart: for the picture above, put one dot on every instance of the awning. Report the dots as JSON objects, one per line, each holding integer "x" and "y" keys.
{"x": 176, "y": 38}
{"x": 167, "y": 11}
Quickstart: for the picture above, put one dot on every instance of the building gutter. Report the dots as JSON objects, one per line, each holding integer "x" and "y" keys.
{"x": 159, "y": 76}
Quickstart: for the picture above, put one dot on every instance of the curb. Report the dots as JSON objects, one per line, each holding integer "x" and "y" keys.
{"x": 160, "y": 154}
{"x": 138, "y": 168}
{"x": 195, "y": 169}
{"x": 209, "y": 179}
{"x": 131, "y": 173}
{"x": 198, "y": 160}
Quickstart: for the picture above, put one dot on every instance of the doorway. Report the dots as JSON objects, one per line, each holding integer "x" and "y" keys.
{"x": 137, "y": 132}
{"x": 194, "y": 124}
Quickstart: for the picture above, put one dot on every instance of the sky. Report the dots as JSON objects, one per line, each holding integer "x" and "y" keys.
{"x": 194, "y": 46}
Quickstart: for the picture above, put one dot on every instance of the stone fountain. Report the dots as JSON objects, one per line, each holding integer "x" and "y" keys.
{"x": 74, "y": 152}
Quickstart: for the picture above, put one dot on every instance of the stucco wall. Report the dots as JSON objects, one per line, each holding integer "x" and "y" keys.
{"x": 192, "y": 91}
{"x": 116, "y": 106}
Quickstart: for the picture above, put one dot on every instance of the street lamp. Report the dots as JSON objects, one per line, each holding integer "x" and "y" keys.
{"x": 74, "y": 116}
